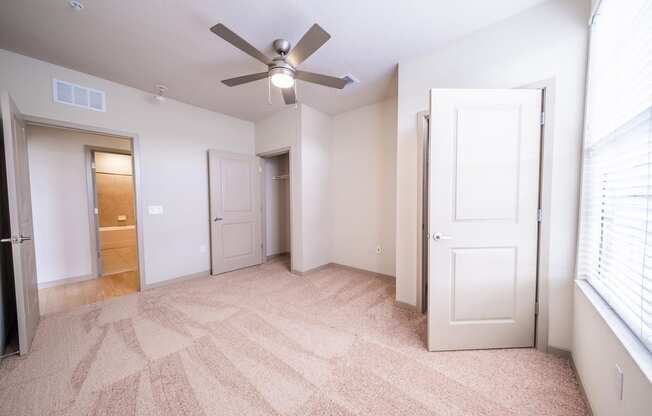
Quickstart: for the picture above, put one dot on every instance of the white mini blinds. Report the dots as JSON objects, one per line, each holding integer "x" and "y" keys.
{"x": 615, "y": 250}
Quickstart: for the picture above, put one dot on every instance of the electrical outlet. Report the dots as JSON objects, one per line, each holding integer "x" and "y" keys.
{"x": 619, "y": 379}
{"x": 379, "y": 249}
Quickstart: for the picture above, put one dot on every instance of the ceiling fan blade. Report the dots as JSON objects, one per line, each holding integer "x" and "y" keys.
{"x": 289, "y": 96}
{"x": 232, "y": 82}
{"x": 312, "y": 40}
{"x": 235, "y": 40}
{"x": 321, "y": 79}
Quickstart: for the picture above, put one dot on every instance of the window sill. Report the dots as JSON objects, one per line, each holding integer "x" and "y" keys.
{"x": 634, "y": 347}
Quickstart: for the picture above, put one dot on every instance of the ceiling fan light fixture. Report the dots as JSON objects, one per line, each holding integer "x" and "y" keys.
{"x": 282, "y": 77}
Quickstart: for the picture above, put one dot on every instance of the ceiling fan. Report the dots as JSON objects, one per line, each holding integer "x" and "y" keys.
{"x": 282, "y": 69}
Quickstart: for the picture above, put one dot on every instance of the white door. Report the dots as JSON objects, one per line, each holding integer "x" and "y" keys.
{"x": 483, "y": 210}
{"x": 20, "y": 218}
{"x": 235, "y": 211}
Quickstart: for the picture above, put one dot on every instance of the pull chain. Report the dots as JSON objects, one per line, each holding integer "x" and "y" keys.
{"x": 269, "y": 91}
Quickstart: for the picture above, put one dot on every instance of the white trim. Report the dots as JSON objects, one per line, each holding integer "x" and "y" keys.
{"x": 135, "y": 153}
{"x": 634, "y": 347}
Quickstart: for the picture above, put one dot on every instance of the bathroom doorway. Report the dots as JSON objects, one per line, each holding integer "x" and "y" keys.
{"x": 84, "y": 193}
{"x": 114, "y": 217}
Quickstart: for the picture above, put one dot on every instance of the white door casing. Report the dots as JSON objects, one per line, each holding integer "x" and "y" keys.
{"x": 20, "y": 217}
{"x": 235, "y": 211}
{"x": 483, "y": 213}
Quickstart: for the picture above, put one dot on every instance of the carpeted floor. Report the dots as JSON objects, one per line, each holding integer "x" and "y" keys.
{"x": 262, "y": 341}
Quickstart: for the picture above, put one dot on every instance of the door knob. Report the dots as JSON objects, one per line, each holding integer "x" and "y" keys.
{"x": 440, "y": 236}
{"x": 16, "y": 239}
{"x": 217, "y": 219}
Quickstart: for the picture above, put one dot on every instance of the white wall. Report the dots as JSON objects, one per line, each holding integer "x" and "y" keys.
{"x": 363, "y": 187}
{"x": 316, "y": 130}
{"x": 174, "y": 138}
{"x": 597, "y": 351}
{"x": 277, "y": 203}
{"x": 62, "y": 228}
{"x": 547, "y": 41}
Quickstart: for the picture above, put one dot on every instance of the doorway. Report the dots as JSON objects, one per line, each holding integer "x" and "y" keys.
{"x": 115, "y": 219}
{"x": 84, "y": 213}
{"x": 276, "y": 193}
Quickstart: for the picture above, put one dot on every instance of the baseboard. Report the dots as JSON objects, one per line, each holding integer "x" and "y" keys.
{"x": 564, "y": 353}
{"x": 368, "y": 272}
{"x": 559, "y": 352}
{"x": 311, "y": 271}
{"x": 405, "y": 306}
{"x": 579, "y": 382}
{"x": 275, "y": 256}
{"x": 174, "y": 280}
{"x": 65, "y": 281}
{"x": 342, "y": 266}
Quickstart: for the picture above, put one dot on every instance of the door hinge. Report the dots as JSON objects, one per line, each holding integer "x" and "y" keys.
{"x": 536, "y": 308}
{"x": 543, "y": 118}
{"x": 92, "y": 165}
{"x": 539, "y": 215}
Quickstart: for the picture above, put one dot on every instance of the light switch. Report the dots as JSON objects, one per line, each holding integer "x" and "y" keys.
{"x": 155, "y": 210}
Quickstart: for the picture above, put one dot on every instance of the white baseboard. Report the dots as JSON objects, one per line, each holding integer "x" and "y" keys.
{"x": 65, "y": 281}
{"x": 176, "y": 280}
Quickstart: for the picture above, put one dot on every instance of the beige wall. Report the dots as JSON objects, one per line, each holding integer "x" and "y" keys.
{"x": 173, "y": 138}
{"x": 315, "y": 130}
{"x": 62, "y": 228}
{"x": 363, "y": 187}
{"x": 114, "y": 187}
{"x": 546, "y": 42}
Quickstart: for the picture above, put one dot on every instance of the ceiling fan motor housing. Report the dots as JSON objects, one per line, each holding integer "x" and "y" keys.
{"x": 281, "y": 46}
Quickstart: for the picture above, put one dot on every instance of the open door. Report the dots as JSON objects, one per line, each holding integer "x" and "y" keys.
{"x": 483, "y": 218}
{"x": 20, "y": 218}
{"x": 235, "y": 211}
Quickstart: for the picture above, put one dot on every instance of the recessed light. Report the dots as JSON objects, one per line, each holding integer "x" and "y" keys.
{"x": 77, "y": 5}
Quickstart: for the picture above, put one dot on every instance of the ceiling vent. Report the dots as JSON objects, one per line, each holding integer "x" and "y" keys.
{"x": 78, "y": 96}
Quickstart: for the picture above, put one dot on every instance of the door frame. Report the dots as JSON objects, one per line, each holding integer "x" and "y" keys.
{"x": 136, "y": 168}
{"x": 541, "y": 318}
{"x": 263, "y": 198}
{"x": 91, "y": 191}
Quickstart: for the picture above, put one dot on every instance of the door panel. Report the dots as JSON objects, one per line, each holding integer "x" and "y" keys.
{"x": 483, "y": 206}
{"x": 20, "y": 214}
{"x": 235, "y": 211}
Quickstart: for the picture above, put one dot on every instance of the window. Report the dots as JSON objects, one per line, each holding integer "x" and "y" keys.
{"x": 615, "y": 250}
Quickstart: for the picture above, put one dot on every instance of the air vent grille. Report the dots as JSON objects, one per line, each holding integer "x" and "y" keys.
{"x": 78, "y": 96}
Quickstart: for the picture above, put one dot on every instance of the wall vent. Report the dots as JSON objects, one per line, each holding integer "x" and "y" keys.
{"x": 78, "y": 96}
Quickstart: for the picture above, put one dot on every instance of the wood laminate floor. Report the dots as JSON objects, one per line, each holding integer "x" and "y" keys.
{"x": 66, "y": 297}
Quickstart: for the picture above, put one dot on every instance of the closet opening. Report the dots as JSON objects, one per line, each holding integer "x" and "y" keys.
{"x": 276, "y": 209}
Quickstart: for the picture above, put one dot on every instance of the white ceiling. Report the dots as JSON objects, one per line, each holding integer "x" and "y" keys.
{"x": 146, "y": 42}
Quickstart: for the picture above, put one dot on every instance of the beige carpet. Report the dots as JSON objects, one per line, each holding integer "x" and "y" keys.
{"x": 262, "y": 341}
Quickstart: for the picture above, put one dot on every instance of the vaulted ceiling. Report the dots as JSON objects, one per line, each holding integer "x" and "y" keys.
{"x": 147, "y": 42}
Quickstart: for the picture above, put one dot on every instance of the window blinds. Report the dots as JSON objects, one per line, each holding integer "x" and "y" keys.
{"x": 615, "y": 250}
